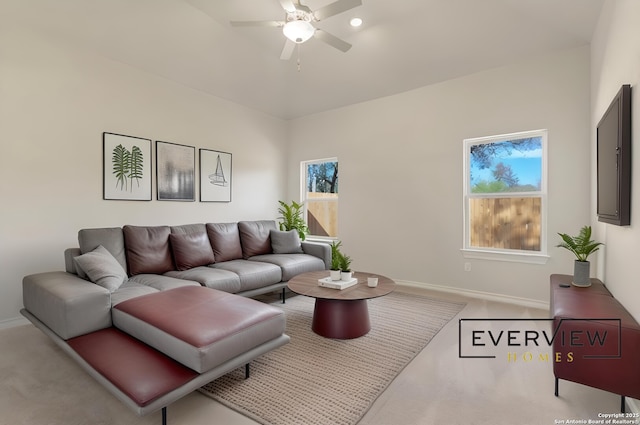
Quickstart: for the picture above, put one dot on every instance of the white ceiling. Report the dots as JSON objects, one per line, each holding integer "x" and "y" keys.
{"x": 401, "y": 46}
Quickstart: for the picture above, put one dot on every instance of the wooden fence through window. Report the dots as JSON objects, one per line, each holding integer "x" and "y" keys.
{"x": 505, "y": 223}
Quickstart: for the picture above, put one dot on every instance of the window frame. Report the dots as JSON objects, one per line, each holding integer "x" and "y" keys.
{"x": 503, "y": 254}
{"x": 304, "y": 200}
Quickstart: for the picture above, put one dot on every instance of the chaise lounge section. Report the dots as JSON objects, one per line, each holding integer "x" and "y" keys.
{"x": 155, "y": 312}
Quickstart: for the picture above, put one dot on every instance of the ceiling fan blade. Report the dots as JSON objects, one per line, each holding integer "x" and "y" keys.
{"x": 288, "y": 5}
{"x": 335, "y": 8}
{"x": 287, "y": 51}
{"x": 257, "y": 23}
{"x": 332, "y": 40}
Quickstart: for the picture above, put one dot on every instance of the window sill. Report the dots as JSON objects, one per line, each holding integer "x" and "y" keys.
{"x": 514, "y": 257}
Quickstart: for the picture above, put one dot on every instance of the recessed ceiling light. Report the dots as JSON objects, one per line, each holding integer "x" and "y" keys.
{"x": 355, "y": 22}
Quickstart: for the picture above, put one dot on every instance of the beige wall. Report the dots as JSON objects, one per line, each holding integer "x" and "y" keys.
{"x": 616, "y": 61}
{"x": 401, "y": 170}
{"x": 56, "y": 100}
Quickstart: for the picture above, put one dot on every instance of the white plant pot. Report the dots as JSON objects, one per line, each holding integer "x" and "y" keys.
{"x": 335, "y": 274}
{"x": 345, "y": 276}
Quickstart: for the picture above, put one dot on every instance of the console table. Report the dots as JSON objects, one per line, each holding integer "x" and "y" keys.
{"x": 597, "y": 342}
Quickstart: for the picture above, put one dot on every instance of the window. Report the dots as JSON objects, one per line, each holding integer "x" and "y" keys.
{"x": 505, "y": 192}
{"x": 320, "y": 196}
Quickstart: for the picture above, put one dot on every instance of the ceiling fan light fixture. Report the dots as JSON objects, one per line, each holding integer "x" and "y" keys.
{"x": 298, "y": 31}
{"x": 355, "y": 22}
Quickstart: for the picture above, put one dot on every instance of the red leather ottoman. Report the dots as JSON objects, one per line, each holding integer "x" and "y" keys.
{"x": 197, "y": 326}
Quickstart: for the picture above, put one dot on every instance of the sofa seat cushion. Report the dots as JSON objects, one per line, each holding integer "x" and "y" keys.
{"x": 252, "y": 274}
{"x": 130, "y": 289}
{"x": 140, "y": 372}
{"x": 292, "y": 264}
{"x": 199, "y": 327}
{"x": 219, "y": 279}
{"x": 162, "y": 282}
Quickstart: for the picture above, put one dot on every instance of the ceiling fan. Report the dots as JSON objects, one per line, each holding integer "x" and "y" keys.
{"x": 298, "y": 24}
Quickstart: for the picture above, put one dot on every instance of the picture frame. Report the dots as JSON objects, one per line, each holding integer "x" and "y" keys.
{"x": 215, "y": 176}
{"x": 126, "y": 166}
{"x": 175, "y": 172}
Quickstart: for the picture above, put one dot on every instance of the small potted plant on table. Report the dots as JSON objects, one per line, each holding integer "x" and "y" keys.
{"x": 582, "y": 246}
{"x": 335, "y": 260}
{"x": 345, "y": 267}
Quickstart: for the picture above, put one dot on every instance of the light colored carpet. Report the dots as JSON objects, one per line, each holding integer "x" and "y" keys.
{"x": 315, "y": 380}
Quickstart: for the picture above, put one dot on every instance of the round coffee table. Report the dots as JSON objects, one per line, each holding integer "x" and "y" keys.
{"x": 340, "y": 314}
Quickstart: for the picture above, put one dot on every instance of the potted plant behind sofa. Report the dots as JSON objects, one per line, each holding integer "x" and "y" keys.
{"x": 292, "y": 219}
{"x": 335, "y": 260}
{"x": 582, "y": 246}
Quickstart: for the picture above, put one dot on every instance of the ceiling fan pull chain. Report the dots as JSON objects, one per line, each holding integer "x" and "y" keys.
{"x": 298, "y": 47}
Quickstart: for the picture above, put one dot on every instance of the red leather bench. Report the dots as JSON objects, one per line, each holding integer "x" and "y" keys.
{"x": 597, "y": 342}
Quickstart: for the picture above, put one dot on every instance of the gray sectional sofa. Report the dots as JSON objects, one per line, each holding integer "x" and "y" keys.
{"x": 172, "y": 302}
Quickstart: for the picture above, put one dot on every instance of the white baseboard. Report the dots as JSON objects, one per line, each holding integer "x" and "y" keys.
{"x": 524, "y": 302}
{"x": 11, "y": 323}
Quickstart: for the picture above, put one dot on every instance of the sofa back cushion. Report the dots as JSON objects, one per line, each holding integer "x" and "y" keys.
{"x": 225, "y": 241}
{"x": 148, "y": 249}
{"x": 110, "y": 238}
{"x": 255, "y": 237}
{"x": 191, "y": 250}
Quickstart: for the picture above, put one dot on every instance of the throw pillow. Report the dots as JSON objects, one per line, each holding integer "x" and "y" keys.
{"x": 191, "y": 250}
{"x": 102, "y": 268}
{"x": 285, "y": 242}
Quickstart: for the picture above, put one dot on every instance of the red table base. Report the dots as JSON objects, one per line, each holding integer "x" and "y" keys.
{"x": 341, "y": 319}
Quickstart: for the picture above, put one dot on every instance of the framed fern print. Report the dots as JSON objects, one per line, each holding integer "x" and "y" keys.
{"x": 126, "y": 167}
{"x": 176, "y": 172}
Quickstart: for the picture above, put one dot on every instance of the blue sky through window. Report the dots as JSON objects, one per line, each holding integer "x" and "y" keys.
{"x": 511, "y": 165}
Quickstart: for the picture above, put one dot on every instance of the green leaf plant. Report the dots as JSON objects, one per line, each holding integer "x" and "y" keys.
{"x": 345, "y": 263}
{"x": 120, "y": 159}
{"x": 335, "y": 255}
{"x": 582, "y": 246}
{"x": 292, "y": 219}
{"x": 127, "y": 166}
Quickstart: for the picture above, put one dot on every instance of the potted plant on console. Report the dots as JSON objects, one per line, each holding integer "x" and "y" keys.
{"x": 582, "y": 246}
{"x": 292, "y": 219}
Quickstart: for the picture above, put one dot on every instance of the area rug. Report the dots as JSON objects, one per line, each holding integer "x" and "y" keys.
{"x": 315, "y": 380}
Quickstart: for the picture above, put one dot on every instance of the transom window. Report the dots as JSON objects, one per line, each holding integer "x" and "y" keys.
{"x": 320, "y": 196}
{"x": 505, "y": 193}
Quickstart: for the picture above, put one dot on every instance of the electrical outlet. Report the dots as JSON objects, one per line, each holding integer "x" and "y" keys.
{"x": 467, "y": 267}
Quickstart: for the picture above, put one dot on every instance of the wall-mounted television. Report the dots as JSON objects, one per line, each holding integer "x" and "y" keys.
{"x": 614, "y": 161}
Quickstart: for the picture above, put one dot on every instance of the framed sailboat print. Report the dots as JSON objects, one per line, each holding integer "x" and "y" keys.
{"x": 215, "y": 176}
